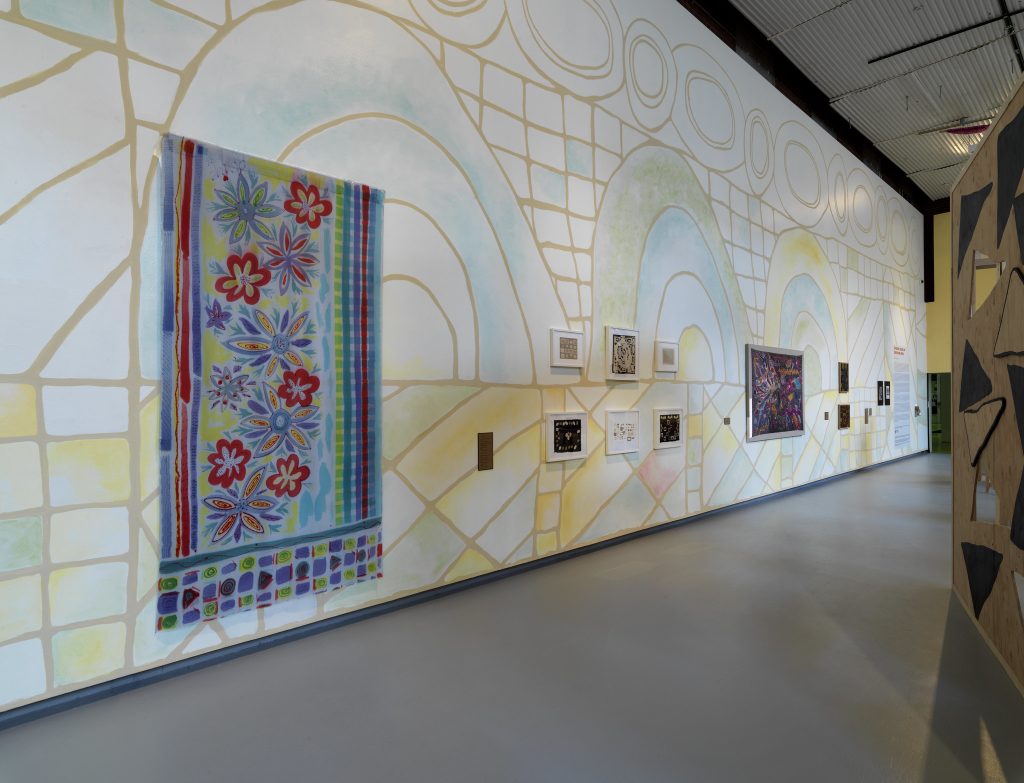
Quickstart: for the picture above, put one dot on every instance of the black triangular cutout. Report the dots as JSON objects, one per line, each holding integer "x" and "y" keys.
{"x": 1016, "y": 374}
{"x": 970, "y": 210}
{"x": 1017, "y": 524}
{"x": 982, "y": 569}
{"x": 1007, "y": 343}
{"x": 977, "y": 445}
{"x": 1010, "y": 165}
{"x": 975, "y": 385}
{"x": 1018, "y": 219}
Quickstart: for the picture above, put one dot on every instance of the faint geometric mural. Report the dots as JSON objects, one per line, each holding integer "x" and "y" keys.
{"x": 547, "y": 166}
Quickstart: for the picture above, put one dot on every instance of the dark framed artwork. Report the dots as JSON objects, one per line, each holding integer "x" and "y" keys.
{"x": 566, "y": 436}
{"x": 881, "y": 393}
{"x": 844, "y": 417}
{"x": 775, "y": 393}
{"x": 888, "y": 393}
{"x": 844, "y": 377}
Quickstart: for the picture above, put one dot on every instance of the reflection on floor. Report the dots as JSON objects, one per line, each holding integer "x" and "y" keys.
{"x": 811, "y": 637}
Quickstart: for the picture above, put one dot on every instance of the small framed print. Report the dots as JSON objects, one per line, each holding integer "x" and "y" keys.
{"x": 566, "y": 348}
{"x": 844, "y": 377}
{"x": 888, "y": 393}
{"x": 881, "y": 394}
{"x": 620, "y": 347}
{"x": 668, "y": 428}
{"x": 844, "y": 417}
{"x": 666, "y": 357}
{"x": 622, "y": 432}
{"x": 566, "y": 436}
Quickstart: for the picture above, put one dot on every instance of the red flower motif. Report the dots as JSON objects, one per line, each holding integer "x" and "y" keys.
{"x": 298, "y": 387}
{"x": 289, "y": 477}
{"x": 306, "y": 204}
{"x": 244, "y": 278}
{"x": 229, "y": 461}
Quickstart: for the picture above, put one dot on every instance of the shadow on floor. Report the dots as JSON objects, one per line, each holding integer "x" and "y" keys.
{"x": 975, "y": 729}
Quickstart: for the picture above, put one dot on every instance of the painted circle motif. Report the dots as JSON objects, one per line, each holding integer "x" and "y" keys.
{"x": 650, "y": 74}
{"x": 575, "y": 43}
{"x": 862, "y": 208}
{"x": 838, "y": 194}
{"x": 759, "y": 151}
{"x": 801, "y": 180}
{"x": 899, "y": 234}
{"x": 468, "y": 22}
{"x": 707, "y": 108}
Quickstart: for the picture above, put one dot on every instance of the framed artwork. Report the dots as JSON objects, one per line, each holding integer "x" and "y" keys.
{"x": 668, "y": 428}
{"x": 666, "y": 357}
{"x": 844, "y": 417}
{"x": 622, "y": 432}
{"x": 566, "y": 436}
{"x": 881, "y": 394}
{"x": 270, "y": 422}
{"x": 888, "y": 393}
{"x": 620, "y": 347}
{"x": 844, "y": 377}
{"x": 775, "y": 393}
{"x": 566, "y": 348}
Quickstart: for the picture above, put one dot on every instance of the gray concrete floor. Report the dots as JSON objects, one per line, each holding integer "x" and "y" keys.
{"x": 810, "y": 638}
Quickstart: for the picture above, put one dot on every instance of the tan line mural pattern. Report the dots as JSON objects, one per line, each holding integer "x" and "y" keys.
{"x": 547, "y": 165}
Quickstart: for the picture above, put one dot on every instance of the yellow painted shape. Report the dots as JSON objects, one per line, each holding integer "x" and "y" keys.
{"x": 547, "y": 543}
{"x": 939, "y": 335}
{"x": 21, "y": 606}
{"x": 149, "y": 454}
{"x": 88, "y": 592}
{"x": 479, "y": 496}
{"x": 591, "y": 487}
{"x": 84, "y": 653}
{"x": 21, "y": 478}
{"x": 547, "y": 511}
{"x": 695, "y": 361}
{"x": 449, "y": 450}
{"x": 89, "y": 471}
{"x": 18, "y": 416}
{"x": 470, "y": 563}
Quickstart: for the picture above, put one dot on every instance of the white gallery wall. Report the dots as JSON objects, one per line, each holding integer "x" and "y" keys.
{"x": 569, "y": 164}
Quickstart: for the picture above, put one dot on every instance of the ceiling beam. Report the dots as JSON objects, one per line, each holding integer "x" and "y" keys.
{"x": 1012, "y": 33}
{"x": 1005, "y": 17}
{"x": 743, "y": 37}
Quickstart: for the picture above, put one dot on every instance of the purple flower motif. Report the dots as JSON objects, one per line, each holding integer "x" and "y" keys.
{"x": 216, "y": 317}
{"x": 263, "y": 343}
{"x": 239, "y": 511}
{"x": 292, "y": 258}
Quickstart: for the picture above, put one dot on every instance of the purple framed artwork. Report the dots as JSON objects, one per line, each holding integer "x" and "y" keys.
{"x": 775, "y": 393}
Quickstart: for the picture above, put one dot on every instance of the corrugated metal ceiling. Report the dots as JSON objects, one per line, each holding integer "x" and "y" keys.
{"x": 902, "y": 103}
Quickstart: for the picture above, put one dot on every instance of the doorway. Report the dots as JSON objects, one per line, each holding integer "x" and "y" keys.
{"x": 940, "y": 401}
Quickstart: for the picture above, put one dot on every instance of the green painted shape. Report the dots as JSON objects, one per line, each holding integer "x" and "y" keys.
{"x": 94, "y": 18}
{"x": 21, "y": 543}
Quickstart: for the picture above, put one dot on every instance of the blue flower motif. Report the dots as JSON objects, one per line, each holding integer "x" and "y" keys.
{"x": 217, "y": 317}
{"x": 261, "y": 342}
{"x": 243, "y": 207}
{"x": 275, "y": 426}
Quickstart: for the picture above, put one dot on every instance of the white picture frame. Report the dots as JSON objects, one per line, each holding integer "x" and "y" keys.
{"x": 674, "y": 417}
{"x": 621, "y": 350}
{"x": 666, "y": 356}
{"x": 622, "y": 432}
{"x": 564, "y": 430}
{"x": 563, "y": 341}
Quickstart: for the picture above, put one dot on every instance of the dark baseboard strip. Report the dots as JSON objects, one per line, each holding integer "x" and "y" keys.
{"x": 66, "y": 701}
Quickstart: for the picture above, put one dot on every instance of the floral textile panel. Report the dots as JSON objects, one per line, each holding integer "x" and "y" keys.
{"x": 270, "y": 438}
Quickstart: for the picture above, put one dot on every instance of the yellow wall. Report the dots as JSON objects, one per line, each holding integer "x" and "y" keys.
{"x": 939, "y": 312}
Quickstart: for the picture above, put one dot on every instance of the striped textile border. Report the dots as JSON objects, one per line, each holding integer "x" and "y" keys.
{"x": 357, "y": 351}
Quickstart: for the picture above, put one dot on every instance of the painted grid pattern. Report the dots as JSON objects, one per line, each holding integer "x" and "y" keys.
{"x": 505, "y": 169}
